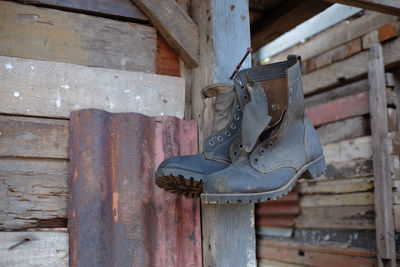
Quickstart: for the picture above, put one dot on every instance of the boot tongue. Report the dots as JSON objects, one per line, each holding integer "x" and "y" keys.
{"x": 223, "y": 111}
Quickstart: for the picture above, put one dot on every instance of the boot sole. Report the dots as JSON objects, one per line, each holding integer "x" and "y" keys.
{"x": 179, "y": 183}
{"x": 311, "y": 171}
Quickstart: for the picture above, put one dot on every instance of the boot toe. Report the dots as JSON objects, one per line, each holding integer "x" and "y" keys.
{"x": 241, "y": 178}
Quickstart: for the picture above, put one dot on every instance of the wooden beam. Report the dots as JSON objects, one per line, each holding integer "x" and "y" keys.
{"x": 391, "y": 7}
{"x": 228, "y": 230}
{"x": 283, "y": 18}
{"x": 175, "y": 25}
{"x": 381, "y": 158}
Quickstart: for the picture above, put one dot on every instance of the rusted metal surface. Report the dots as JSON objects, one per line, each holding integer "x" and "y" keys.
{"x": 278, "y": 213}
{"x": 117, "y": 216}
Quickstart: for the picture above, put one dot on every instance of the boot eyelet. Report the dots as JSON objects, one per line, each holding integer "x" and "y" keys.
{"x": 235, "y": 153}
{"x": 227, "y": 133}
{"x": 242, "y": 86}
{"x": 238, "y": 107}
{"x": 237, "y": 117}
{"x": 220, "y": 138}
{"x": 256, "y": 160}
{"x": 245, "y": 97}
{"x": 261, "y": 151}
{"x": 241, "y": 146}
{"x": 270, "y": 144}
{"x": 233, "y": 126}
{"x": 211, "y": 142}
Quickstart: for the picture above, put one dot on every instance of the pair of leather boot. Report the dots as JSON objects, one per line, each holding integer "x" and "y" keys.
{"x": 262, "y": 141}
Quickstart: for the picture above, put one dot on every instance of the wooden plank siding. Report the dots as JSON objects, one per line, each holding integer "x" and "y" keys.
{"x": 54, "y": 35}
{"x": 71, "y": 87}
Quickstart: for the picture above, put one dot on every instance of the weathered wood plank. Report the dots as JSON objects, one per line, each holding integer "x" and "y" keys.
{"x": 33, "y": 193}
{"x": 396, "y": 215}
{"x": 175, "y": 26}
{"x": 391, "y": 7}
{"x": 347, "y": 150}
{"x": 338, "y": 186}
{"x": 338, "y": 34}
{"x": 34, "y": 249}
{"x": 348, "y": 217}
{"x": 33, "y": 137}
{"x": 349, "y": 69}
{"x": 122, "y": 9}
{"x": 52, "y": 89}
{"x": 54, "y": 35}
{"x": 339, "y": 92}
{"x": 381, "y": 156}
{"x": 349, "y": 169}
{"x": 228, "y": 230}
{"x": 342, "y": 108}
{"x": 314, "y": 255}
{"x": 345, "y": 129}
{"x": 329, "y": 200}
{"x": 283, "y": 18}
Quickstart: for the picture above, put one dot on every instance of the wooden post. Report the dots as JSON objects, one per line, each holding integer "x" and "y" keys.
{"x": 228, "y": 230}
{"x": 381, "y": 159}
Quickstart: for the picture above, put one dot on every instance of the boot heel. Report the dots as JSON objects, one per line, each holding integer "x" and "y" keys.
{"x": 315, "y": 169}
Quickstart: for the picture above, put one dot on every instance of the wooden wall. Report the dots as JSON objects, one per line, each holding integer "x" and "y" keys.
{"x": 335, "y": 222}
{"x": 54, "y": 61}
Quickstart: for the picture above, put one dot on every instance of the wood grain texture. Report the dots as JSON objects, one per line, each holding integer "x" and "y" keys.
{"x": 349, "y": 69}
{"x": 175, "y": 25}
{"x": 33, "y": 193}
{"x": 381, "y": 156}
{"x": 283, "y": 18}
{"x": 345, "y": 129}
{"x": 342, "y": 108}
{"x": 391, "y": 7}
{"x": 307, "y": 255}
{"x": 54, "y": 35}
{"x": 348, "y": 217}
{"x": 337, "y": 35}
{"x": 34, "y": 249}
{"x": 51, "y": 89}
{"x": 33, "y": 137}
{"x": 337, "y": 186}
{"x": 122, "y": 9}
{"x": 349, "y": 169}
{"x": 228, "y": 230}
{"x": 329, "y": 200}
{"x": 167, "y": 60}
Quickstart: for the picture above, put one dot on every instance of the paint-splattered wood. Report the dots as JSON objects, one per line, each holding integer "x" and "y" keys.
{"x": 342, "y": 108}
{"x": 33, "y": 193}
{"x": 345, "y": 129}
{"x": 40, "y": 249}
{"x": 381, "y": 156}
{"x": 314, "y": 255}
{"x": 123, "y": 9}
{"x": 347, "y": 217}
{"x": 54, "y": 35}
{"x": 52, "y": 89}
{"x": 349, "y": 69}
{"x": 33, "y": 137}
{"x": 281, "y": 221}
{"x": 349, "y": 169}
{"x": 113, "y": 158}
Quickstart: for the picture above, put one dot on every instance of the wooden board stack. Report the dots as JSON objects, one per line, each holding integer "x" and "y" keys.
{"x": 339, "y": 208}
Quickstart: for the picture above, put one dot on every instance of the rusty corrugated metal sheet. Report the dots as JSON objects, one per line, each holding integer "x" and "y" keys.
{"x": 278, "y": 213}
{"x": 116, "y": 214}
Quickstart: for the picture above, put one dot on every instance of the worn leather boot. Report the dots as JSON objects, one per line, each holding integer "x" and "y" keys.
{"x": 184, "y": 175}
{"x": 278, "y": 144}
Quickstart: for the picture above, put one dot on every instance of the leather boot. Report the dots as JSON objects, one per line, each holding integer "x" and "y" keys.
{"x": 269, "y": 159}
{"x": 184, "y": 175}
